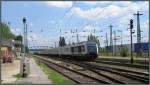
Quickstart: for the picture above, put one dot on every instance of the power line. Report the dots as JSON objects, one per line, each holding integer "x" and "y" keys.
{"x": 65, "y": 13}
{"x": 138, "y": 31}
{"x": 114, "y": 43}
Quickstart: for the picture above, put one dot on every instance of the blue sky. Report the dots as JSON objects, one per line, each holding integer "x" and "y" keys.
{"x": 46, "y": 18}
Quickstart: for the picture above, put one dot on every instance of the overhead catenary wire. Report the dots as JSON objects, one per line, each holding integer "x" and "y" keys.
{"x": 58, "y": 23}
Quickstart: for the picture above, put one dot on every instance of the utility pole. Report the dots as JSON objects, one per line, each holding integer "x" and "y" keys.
{"x": 106, "y": 43}
{"x": 94, "y": 31}
{"x": 111, "y": 43}
{"x": 0, "y": 47}
{"x": 26, "y": 39}
{"x": 131, "y": 32}
{"x": 59, "y": 44}
{"x": 138, "y": 32}
{"x": 77, "y": 36}
{"x": 149, "y": 45}
{"x": 23, "y": 65}
{"x": 106, "y": 39}
{"x": 114, "y": 43}
{"x": 55, "y": 44}
{"x": 121, "y": 35}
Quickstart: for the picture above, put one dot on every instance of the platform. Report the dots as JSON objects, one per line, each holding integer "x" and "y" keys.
{"x": 9, "y": 70}
{"x": 36, "y": 76}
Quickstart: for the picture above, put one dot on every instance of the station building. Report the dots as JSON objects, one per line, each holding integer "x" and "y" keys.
{"x": 7, "y": 51}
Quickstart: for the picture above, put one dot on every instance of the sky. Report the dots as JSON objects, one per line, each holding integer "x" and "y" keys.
{"x": 48, "y": 20}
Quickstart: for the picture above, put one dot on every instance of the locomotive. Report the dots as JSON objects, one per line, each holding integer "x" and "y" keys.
{"x": 87, "y": 50}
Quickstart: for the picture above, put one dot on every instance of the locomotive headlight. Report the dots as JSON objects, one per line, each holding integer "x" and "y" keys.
{"x": 97, "y": 48}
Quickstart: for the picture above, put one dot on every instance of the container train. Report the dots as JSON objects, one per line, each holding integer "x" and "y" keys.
{"x": 87, "y": 50}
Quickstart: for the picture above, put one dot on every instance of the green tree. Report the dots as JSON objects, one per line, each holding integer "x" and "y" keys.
{"x": 62, "y": 42}
{"x": 5, "y": 32}
{"x": 19, "y": 39}
{"x": 124, "y": 51}
{"x": 93, "y": 38}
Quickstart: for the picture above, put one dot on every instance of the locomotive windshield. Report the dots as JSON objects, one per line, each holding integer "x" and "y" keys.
{"x": 92, "y": 47}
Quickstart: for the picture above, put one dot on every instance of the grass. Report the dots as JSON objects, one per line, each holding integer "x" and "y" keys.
{"x": 18, "y": 76}
{"x": 54, "y": 76}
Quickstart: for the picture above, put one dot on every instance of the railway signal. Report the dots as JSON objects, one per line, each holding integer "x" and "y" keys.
{"x": 24, "y": 62}
{"x": 131, "y": 32}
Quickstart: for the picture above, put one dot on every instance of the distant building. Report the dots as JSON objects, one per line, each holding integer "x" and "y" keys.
{"x": 135, "y": 47}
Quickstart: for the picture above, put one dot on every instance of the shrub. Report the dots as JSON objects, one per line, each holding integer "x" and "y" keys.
{"x": 124, "y": 51}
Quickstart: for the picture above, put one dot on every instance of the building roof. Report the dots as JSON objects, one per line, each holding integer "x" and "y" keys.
{"x": 7, "y": 43}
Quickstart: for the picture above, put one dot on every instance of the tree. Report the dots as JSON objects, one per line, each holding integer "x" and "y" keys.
{"x": 93, "y": 38}
{"x": 62, "y": 42}
{"x": 18, "y": 38}
{"x": 5, "y": 32}
{"x": 124, "y": 51}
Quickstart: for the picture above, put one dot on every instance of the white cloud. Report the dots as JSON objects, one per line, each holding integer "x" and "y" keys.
{"x": 95, "y": 2}
{"x": 112, "y": 10}
{"x": 146, "y": 25}
{"x": 97, "y": 13}
{"x": 88, "y": 14}
{"x": 116, "y": 13}
{"x": 16, "y": 31}
{"x": 89, "y": 27}
{"x": 60, "y": 4}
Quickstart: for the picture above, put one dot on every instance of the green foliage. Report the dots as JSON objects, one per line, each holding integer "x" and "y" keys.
{"x": 124, "y": 51}
{"x": 5, "y": 32}
{"x": 62, "y": 42}
{"x": 56, "y": 77}
{"x": 94, "y": 38}
{"x": 18, "y": 38}
{"x": 18, "y": 76}
{"x": 103, "y": 51}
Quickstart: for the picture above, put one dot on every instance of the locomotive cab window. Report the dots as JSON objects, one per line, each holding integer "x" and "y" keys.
{"x": 79, "y": 49}
{"x": 72, "y": 49}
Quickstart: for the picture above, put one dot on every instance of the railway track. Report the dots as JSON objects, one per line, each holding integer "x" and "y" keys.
{"x": 124, "y": 69}
{"x": 74, "y": 75}
{"x": 141, "y": 62}
{"x": 136, "y": 75}
{"x": 110, "y": 75}
{"x": 143, "y": 77}
{"x": 124, "y": 64}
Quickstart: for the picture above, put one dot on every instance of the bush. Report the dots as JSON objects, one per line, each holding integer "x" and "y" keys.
{"x": 124, "y": 51}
